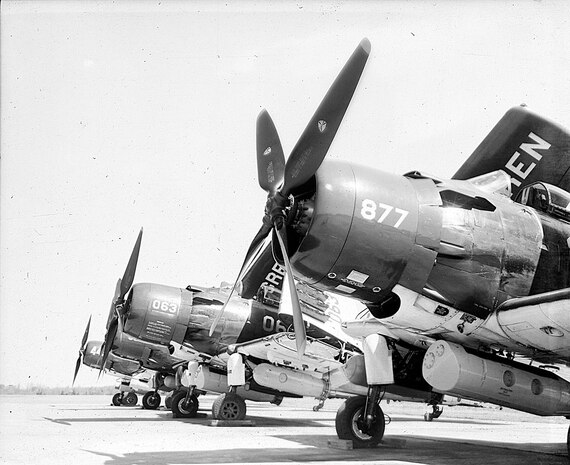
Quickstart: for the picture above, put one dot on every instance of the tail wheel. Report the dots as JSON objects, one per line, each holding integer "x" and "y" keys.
{"x": 351, "y": 424}
{"x": 229, "y": 407}
{"x": 117, "y": 399}
{"x": 130, "y": 399}
{"x": 182, "y": 407}
{"x": 151, "y": 400}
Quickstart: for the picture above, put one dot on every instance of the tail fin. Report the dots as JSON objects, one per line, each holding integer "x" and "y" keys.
{"x": 527, "y": 147}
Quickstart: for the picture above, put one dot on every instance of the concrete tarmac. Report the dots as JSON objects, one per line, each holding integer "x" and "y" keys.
{"x": 88, "y": 430}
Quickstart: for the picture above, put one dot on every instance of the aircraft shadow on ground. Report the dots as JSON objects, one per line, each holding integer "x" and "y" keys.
{"x": 396, "y": 419}
{"x": 70, "y": 421}
{"x": 408, "y": 449}
{"x": 259, "y": 421}
{"x": 201, "y": 419}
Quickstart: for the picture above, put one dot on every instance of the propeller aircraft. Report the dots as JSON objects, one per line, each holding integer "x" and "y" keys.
{"x": 473, "y": 272}
{"x": 251, "y": 355}
{"x": 129, "y": 368}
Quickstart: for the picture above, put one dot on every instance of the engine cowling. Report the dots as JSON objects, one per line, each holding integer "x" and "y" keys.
{"x": 350, "y": 224}
{"x": 157, "y": 313}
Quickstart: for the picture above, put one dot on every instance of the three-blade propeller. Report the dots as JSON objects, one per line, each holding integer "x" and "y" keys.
{"x": 118, "y": 309}
{"x": 81, "y": 350}
{"x": 280, "y": 179}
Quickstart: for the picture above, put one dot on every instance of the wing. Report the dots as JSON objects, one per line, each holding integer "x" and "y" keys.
{"x": 527, "y": 147}
{"x": 280, "y": 349}
{"x": 540, "y": 321}
{"x": 536, "y": 327}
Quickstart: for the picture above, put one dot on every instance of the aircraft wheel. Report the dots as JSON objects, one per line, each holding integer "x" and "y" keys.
{"x": 168, "y": 402}
{"x": 350, "y": 423}
{"x": 568, "y": 442}
{"x": 229, "y": 407}
{"x": 428, "y": 416}
{"x": 151, "y": 400}
{"x": 182, "y": 408}
{"x": 117, "y": 399}
{"x": 130, "y": 399}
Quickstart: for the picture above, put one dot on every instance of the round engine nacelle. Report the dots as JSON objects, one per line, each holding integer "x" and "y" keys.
{"x": 158, "y": 313}
{"x": 358, "y": 245}
{"x": 450, "y": 369}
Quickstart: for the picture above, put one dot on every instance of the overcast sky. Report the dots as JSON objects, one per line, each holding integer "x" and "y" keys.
{"x": 117, "y": 115}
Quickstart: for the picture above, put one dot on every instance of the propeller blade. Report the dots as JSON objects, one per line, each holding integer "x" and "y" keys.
{"x": 112, "y": 311}
{"x": 298, "y": 323}
{"x": 77, "y": 365}
{"x": 270, "y": 158}
{"x": 318, "y": 136}
{"x": 108, "y": 343}
{"x": 256, "y": 244}
{"x": 82, "y": 349}
{"x": 129, "y": 275}
{"x": 86, "y": 334}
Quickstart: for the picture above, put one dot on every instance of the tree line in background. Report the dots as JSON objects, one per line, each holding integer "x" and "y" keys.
{"x": 38, "y": 390}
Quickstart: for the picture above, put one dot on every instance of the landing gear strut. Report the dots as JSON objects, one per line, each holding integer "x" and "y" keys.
{"x": 435, "y": 413}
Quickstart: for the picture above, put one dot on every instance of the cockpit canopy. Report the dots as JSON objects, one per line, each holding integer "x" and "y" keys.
{"x": 495, "y": 182}
{"x": 546, "y": 198}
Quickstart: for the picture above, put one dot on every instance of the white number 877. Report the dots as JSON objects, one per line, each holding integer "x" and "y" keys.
{"x": 370, "y": 209}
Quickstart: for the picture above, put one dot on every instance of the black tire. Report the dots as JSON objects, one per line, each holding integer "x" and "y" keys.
{"x": 349, "y": 419}
{"x": 151, "y": 400}
{"x": 229, "y": 407}
{"x": 182, "y": 408}
{"x": 168, "y": 402}
{"x": 117, "y": 399}
{"x": 568, "y": 442}
{"x": 130, "y": 399}
{"x": 428, "y": 416}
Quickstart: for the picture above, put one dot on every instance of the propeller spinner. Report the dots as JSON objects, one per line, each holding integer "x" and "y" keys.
{"x": 118, "y": 309}
{"x": 279, "y": 179}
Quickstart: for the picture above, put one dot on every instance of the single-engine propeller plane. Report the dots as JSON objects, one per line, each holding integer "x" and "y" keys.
{"x": 149, "y": 378}
{"x": 474, "y": 271}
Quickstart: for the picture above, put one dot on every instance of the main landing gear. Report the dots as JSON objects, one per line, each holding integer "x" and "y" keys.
{"x": 229, "y": 406}
{"x": 151, "y": 400}
{"x": 184, "y": 404}
{"x": 129, "y": 400}
{"x": 361, "y": 420}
